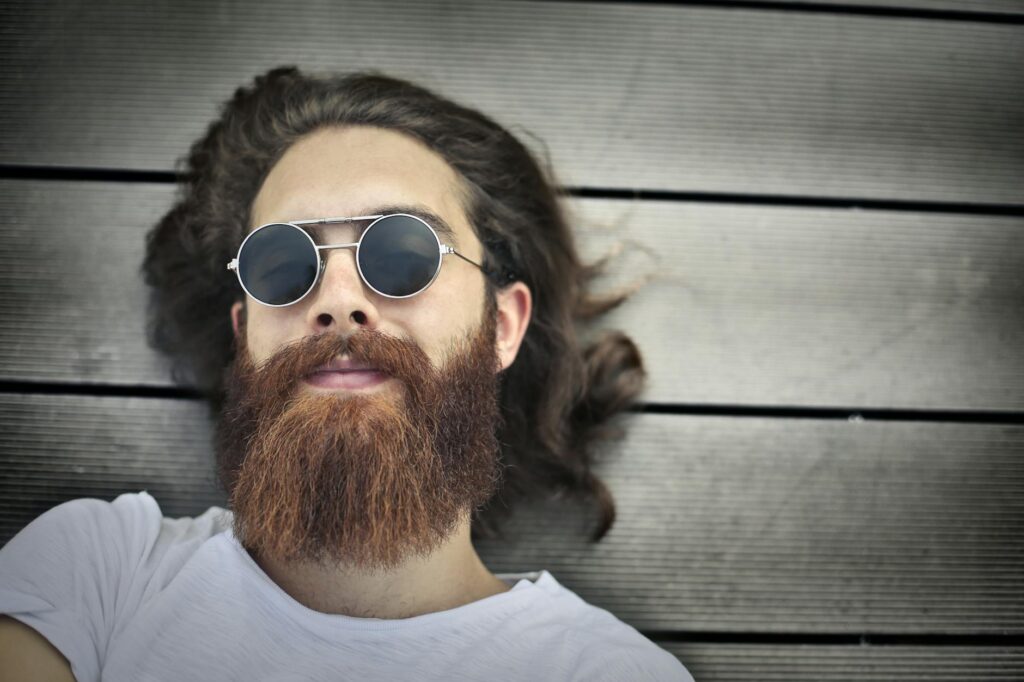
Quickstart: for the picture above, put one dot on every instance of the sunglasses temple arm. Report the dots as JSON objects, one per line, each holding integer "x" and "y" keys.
{"x": 489, "y": 273}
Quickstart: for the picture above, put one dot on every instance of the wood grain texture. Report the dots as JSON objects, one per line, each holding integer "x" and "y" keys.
{"x": 818, "y": 663}
{"x": 745, "y": 305}
{"x": 725, "y": 524}
{"x": 649, "y": 96}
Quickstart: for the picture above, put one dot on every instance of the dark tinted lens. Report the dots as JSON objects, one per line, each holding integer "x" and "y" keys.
{"x": 399, "y": 255}
{"x": 278, "y": 264}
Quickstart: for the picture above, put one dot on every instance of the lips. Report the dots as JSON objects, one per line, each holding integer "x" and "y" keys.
{"x": 344, "y": 365}
{"x": 345, "y": 373}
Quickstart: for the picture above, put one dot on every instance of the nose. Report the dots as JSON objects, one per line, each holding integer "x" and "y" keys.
{"x": 341, "y": 303}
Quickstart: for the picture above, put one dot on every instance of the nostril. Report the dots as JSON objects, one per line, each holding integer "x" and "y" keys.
{"x": 324, "y": 320}
{"x": 359, "y": 317}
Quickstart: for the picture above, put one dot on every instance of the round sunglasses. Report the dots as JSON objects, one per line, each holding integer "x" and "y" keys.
{"x": 398, "y": 256}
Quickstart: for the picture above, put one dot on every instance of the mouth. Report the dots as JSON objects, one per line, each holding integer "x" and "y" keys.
{"x": 346, "y": 374}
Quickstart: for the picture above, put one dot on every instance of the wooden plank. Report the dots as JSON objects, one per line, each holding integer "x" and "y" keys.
{"x": 820, "y": 663}
{"x": 725, "y": 524}
{"x": 746, "y": 305}
{"x": 650, "y": 96}
{"x": 74, "y": 250}
{"x": 997, "y": 7}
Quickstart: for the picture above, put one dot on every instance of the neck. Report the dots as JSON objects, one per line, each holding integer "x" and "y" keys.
{"x": 452, "y": 576}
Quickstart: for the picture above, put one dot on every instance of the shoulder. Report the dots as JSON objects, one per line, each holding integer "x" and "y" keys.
{"x": 610, "y": 649}
{"x": 129, "y": 542}
{"x": 62, "y": 574}
{"x": 86, "y": 524}
{"x": 82, "y": 552}
{"x": 606, "y": 648}
{"x": 132, "y": 522}
{"x": 641, "y": 661}
{"x": 80, "y": 571}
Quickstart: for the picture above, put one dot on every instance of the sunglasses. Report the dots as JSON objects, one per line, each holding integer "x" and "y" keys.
{"x": 398, "y": 256}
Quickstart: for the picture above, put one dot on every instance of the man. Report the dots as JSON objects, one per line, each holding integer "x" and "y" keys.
{"x": 393, "y": 288}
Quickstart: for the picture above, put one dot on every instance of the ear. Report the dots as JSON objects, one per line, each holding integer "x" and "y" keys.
{"x": 237, "y": 316}
{"x": 515, "y": 304}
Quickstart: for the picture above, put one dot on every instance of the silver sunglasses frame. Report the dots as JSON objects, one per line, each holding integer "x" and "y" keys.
{"x": 442, "y": 249}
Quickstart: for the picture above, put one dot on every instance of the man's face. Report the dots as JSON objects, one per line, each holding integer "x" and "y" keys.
{"x": 360, "y": 429}
{"x": 355, "y": 172}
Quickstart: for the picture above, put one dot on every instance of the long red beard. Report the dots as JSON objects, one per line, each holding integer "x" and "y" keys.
{"x": 360, "y": 481}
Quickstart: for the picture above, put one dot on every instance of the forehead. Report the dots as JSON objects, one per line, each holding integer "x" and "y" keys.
{"x": 356, "y": 171}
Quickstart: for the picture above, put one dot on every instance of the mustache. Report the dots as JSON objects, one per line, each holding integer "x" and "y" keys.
{"x": 278, "y": 377}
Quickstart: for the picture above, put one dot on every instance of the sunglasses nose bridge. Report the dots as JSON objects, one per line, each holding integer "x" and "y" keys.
{"x": 351, "y": 267}
{"x": 323, "y": 252}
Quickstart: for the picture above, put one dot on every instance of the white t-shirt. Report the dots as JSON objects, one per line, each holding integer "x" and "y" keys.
{"x": 126, "y": 594}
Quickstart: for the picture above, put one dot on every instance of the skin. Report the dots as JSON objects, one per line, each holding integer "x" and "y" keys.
{"x": 355, "y": 171}
{"x": 28, "y": 656}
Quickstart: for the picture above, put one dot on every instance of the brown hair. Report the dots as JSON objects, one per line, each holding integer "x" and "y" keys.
{"x": 556, "y": 398}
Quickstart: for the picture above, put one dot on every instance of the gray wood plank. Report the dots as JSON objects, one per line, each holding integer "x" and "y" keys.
{"x": 745, "y": 305}
{"x": 73, "y": 251}
{"x": 817, "y": 663}
{"x": 648, "y": 96}
{"x": 725, "y": 524}
{"x": 1007, "y": 7}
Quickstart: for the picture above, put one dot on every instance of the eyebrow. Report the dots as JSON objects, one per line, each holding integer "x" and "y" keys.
{"x": 443, "y": 229}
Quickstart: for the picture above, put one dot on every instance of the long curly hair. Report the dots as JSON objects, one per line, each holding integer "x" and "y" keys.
{"x": 558, "y": 396}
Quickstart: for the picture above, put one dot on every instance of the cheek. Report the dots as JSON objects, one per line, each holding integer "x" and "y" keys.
{"x": 456, "y": 310}
{"x": 264, "y": 333}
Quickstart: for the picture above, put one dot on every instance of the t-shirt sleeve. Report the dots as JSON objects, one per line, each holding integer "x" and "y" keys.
{"x": 64, "y": 573}
{"x": 640, "y": 663}
{"x": 614, "y": 650}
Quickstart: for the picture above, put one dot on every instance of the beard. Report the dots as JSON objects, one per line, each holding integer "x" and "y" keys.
{"x": 363, "y": 481}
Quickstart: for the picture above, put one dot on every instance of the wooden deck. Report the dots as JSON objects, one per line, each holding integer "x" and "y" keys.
{"x": 825, "y": 480}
